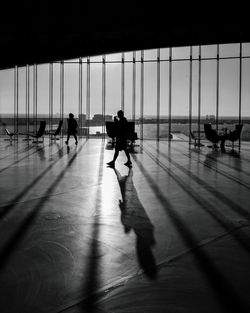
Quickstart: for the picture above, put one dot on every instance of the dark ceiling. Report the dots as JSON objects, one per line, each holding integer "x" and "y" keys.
{"x": 43, "y": 31}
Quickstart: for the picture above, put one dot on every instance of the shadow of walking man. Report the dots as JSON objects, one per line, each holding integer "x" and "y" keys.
{"x": 134, "y": 217}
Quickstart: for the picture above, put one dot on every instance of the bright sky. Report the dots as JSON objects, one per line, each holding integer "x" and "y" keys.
{"x": 228, "y": 84}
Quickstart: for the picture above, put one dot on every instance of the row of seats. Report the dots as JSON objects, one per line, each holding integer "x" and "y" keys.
{"x": 214, "y": 137}
{"x": 40, "y": 133}
{"x": 210, "y": 133}
{"x": 131, "y": 134}
{"x": 110, "y": 128}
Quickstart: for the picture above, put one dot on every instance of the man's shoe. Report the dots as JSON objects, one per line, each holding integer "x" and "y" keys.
{"x": 111, "y": 164}
{"x": 76, "y": 142}
{"x": 66, "y": 142}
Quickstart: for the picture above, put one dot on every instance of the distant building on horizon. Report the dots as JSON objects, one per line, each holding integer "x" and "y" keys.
{"x": 210, "y": 118}
{"x": 98, "y": 118}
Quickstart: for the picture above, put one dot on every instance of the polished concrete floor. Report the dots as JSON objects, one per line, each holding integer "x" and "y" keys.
{"x": 171, "y": 234}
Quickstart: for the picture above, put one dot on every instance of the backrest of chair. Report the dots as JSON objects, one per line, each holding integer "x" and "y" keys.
{"x": 131, "y": 128}
{"x": 192, "y": 135}
{"x": 211, "y": 134}
{"x": 207, "y": 129}
{"x": 238, "y": 128}
{"x": 111, "y": 129}
{"x": 41, "y": 129}
{"x": 58, "y": 128}
{"x": 235, "y": 135}
{"x": 7, "y": 131}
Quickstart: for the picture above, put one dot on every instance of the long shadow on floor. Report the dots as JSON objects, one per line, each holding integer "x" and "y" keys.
{"x": 228, "y": 297}
{"x": 19, "y": 233}
{"x": 14, "y": 150}
{"x": 213, "y": 209}
{"x": 6, "y": 209}
{"x": 91, "y": 282}
{"x": 37, "y": 150}
{"x": 134, "y": 216}
{"x": 215, "y": 191}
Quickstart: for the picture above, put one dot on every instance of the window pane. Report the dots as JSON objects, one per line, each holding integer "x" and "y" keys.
{"x": 209, "y": 51}
{"x": 22, "y": 99}
{"x": 128, "y": 56}
{"x": 181, "y": 53}
{"x": 150, "y": 54}
{"x": 246, "y": 49}
{"x": 95, "y": 99}
{"x": 245, "y": 108}
{"x": 7, "y": 100}
{"x": 164, "y": 53}
{"x": 230, "y": 50}
{"x": 83, "y": 117}
{"x": 42, "y": 94}
{"x": 164, "y": 99}
{"x": 138, "y": 98}
{"x": 128, "y": 90}
{"x": 114, "y": 57}
{"x": 113, "y": 88}
{"x": 195, "y": 94}
{"x": 180, "y": 99}
{"x": 195, "y": 52}
{"x": 150, "y": 100}
{"x": 229, "y": 93}
{"x": 56, "y": 97}
{"x": 208, "y": 91}
{"x": 71, "y": 91}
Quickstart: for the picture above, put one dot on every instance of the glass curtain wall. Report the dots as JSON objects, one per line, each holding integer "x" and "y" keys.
{"x": 150, "y": 95}
{"x": 55, "y": 91}
{"x": 7, "y": 100}
{"x": 245, "y": 92}
{"x": 114, "y": 85}
{"x": 209, "y": 78}
{"x": 180, "y": 92}
{"x": 97, "y": 111}
{"x": 164, "y": 93}
{"x": 167, "y": 92}
{"x": 129, "y": 86}
{"x": 42, "y": 95}
{"x": 71, "y": 91}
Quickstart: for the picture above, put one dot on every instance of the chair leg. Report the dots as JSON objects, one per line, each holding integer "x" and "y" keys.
{"x": 27, "y": 138}
{"x": 10, "y": 138}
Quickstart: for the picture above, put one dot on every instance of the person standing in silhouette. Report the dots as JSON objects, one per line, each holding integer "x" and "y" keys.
{"x": 72, "y": 128}
{"x": 121, "y": 130}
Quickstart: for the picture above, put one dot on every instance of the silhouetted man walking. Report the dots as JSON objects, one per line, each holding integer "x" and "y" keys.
{"x": 121, "y": 130}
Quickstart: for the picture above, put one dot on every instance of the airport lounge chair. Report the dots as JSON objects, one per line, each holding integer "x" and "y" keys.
{"x": 11, "y": 135}
{"x": 38, "y": 134}
{"x": 56, "y": 132}
{"x": 131, "y": 135}
{"x": 211, "y": 135}
{"x": 194, "y": 135}
{"x": 235, "y": 134}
